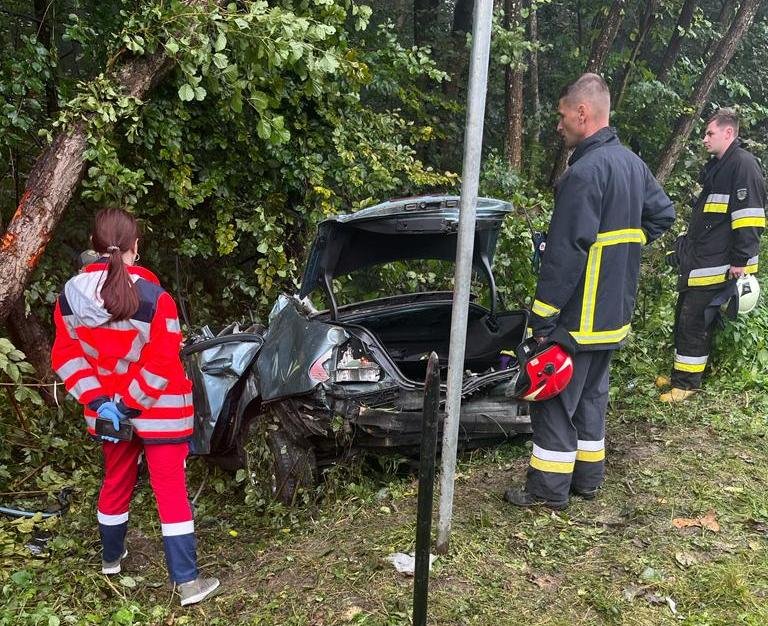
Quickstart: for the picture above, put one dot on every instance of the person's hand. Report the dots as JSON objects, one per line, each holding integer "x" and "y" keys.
{"x": 110, "y": 411}
{"x": 735, "y": 272}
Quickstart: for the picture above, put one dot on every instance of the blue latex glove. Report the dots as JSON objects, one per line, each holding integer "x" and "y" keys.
{"x": 110, "y": 411}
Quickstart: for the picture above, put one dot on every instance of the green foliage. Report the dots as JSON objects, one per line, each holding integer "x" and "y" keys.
{"x": 23, "y": 73}
{"x": 513, "y": 267}
{"x": 264, "y": 129}
{"x": 12, "y": 369}
{"x": 741, "y": 347}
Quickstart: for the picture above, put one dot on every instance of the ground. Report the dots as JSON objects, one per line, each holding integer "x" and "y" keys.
{"x": 678, "y": 535}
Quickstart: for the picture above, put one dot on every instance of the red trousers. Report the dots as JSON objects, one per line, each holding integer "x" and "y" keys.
{"x": 165, "y": 462}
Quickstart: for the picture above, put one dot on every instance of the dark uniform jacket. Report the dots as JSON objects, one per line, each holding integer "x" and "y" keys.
{"x": 607, "y": 205}
{"x": 726, "y": 221}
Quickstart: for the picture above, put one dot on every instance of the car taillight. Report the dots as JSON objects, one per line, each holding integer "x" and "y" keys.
{"x": 355, "y": 365}
{"x": 319, "y": 369}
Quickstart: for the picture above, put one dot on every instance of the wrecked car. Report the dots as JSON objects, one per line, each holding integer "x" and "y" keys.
{"x": 351, "y": 376}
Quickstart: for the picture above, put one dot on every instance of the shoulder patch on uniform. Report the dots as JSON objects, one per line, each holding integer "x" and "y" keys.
{"x": 741, "y": 194}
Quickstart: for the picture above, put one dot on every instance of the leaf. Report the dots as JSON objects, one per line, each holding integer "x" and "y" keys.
{"x": 260, "y": 100}
{"x": 13, "y": 372}
{"x": 221, "y": 42}
{"x": 21, "y": 577}
{"x": 263, "y": 129}
{"x": 128, "y": 581}
{"x": 631, "y": 592}
{"x": 200, "y": 93}
{"x": 672, "y": 605}
{"x": 186, "y": 92}
{"x": 685, "y": 522}
{"x": 172, "y": 46}
{"x": 708, "y": 521}
{"x": 685, "y": 559}
{"x": 220, "y": 60}
{"x": 651, "y": 575}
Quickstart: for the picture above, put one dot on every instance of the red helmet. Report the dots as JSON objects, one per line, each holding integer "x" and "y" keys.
{"x": 545, "y": 370}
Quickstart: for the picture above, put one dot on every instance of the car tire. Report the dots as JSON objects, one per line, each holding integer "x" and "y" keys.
{"x": 294, "y": 467}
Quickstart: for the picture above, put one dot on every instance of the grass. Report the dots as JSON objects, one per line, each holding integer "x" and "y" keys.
{"x": 617, "y": 560}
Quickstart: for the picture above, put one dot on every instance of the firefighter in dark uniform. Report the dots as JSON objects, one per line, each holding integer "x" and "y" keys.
{"x": 607, "y": 206}
{"x": 722, "y": 244}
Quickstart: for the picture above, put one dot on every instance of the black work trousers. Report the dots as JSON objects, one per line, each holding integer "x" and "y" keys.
{"x": 693, "y": 337}
{"x": 569, "y": 432}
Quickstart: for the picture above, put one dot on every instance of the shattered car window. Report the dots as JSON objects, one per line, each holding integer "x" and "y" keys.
{"x": 398, "y": 278}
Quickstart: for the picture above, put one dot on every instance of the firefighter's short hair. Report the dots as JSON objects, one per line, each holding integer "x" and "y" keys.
{"x": 726, "y": 117}
{"x": 591, "y": 87}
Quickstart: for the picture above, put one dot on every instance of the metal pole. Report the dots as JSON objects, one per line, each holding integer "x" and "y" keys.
{"x": 473, "y": 145}
{"x": 426, "y": 489}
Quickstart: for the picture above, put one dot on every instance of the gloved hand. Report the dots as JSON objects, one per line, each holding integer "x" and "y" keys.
{"x": 110, "y": 411}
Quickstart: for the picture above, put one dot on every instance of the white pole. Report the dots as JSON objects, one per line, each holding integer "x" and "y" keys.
{"x": 470, "y": 176}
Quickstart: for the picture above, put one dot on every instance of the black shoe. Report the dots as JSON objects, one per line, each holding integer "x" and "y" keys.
{"x": 586, "y": 494}
{"x": 520, "y": 497}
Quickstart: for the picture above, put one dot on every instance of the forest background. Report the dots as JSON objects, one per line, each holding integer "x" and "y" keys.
{"x": 231, "y": 129}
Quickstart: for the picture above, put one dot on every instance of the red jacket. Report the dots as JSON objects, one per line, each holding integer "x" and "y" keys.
{"x": 134, "y": 361}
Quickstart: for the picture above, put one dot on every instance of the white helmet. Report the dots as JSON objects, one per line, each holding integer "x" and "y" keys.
{"x": 748, "y": 290}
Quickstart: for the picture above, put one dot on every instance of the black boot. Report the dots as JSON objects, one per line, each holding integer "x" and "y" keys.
{"x": 585, "y": 494}
{"x": 520, "y": 497}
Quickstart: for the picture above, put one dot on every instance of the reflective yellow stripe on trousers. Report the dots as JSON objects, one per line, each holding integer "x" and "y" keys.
{"x": 552, "y": 460}
{"x": 586, "y": 334}
{"x": 590, "y": 451}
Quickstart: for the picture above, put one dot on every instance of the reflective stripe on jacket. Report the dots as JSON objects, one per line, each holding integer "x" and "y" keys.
{"x": 726, "y": 222}
{"x": 135, "y": 361}
{"x": 607, "y": 205}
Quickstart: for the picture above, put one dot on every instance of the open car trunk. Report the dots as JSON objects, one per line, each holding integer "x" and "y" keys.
{"x": 411, "y": 331}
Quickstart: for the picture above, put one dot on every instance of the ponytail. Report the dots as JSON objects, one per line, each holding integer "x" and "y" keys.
{"x": 114, "y": 233}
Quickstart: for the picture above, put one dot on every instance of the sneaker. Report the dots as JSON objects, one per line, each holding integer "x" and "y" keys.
{"x": 112, "y": 567}
{"x": 520, "y": 497}
{"x": 197, "y": 590}
{"x": 676, "y": 395}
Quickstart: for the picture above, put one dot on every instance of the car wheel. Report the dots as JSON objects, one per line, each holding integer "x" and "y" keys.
{"x": 294, "y": 467}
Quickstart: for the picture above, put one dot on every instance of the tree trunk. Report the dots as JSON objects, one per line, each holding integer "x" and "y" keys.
{"x": 43, "y": 10}
{"x": 425, "y": 21}
{"x": 723, "y": 19}
{"x": 721, "y": 56}
{"x": 53, "y": 180}
{"x": 462, "y": 16}
{"x": 401, "y": 14}
{"x": 600, "y": 48}
{"x": 534, "y": 72}
{"x": 31, "y": 336}
{"x": 602, "y": 45}
{"x": 673, "y": 48}
{"x": 513, "y": 91}
{"x": 644, "y": 27}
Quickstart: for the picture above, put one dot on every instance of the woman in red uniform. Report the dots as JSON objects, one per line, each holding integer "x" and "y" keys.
{"x": 117, "y": 351}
